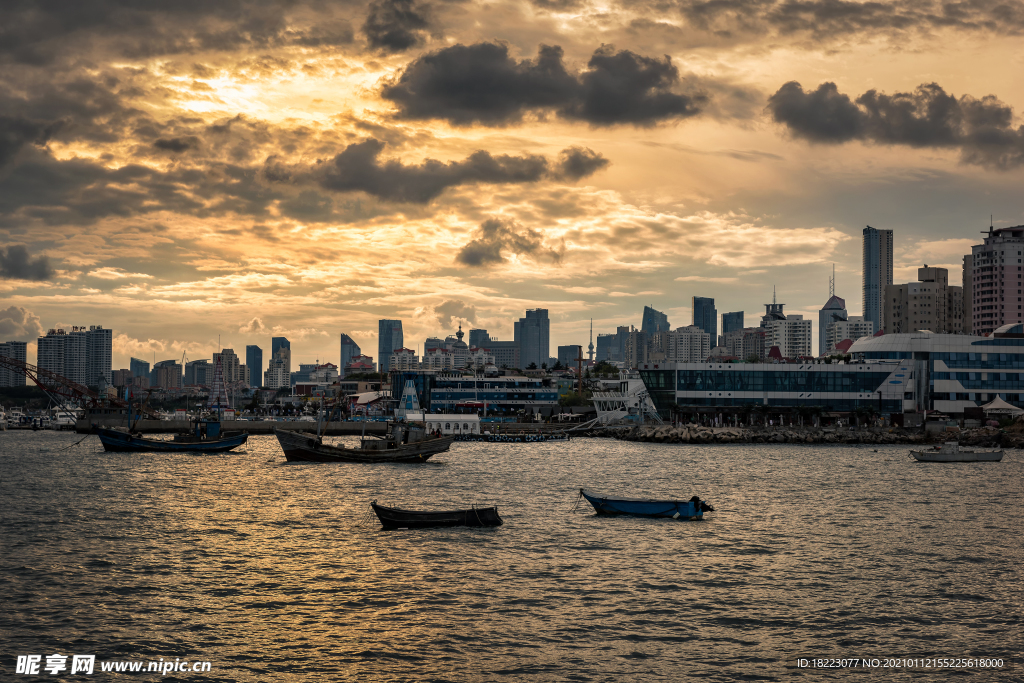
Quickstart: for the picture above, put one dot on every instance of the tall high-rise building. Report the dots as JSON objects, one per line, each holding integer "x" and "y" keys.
{"x": 478, "y": 338}
{"x": 852, "y": 328}
{"x": 968, "y": 281}
{"x": 792, "y": 336}
{"x": 834, "y": 310}
{"x": 654, "y": 321}
{"x": 532, "y": 334}
{"x": 567, "y": 355}
{"x": 995, "y": 281}
{"x": 349, "y": 350}
{"x": 139, "y": 367}
{"x": 877, "y": 273}
{"x": 198, "y": 373}
{"x": 278, "y": 343}
{"x": 167, "y": 374}
{"x": 18, "y": 351}
{"x": 254, "y": 364}
{"x": 732, "y": 322}
{"x": 50, "y": 351}
{"x": 606, "y": 343}
{"x": 230, "y": 364}
{"x": 389, "y": 339}
{"x": 705, "y": 316}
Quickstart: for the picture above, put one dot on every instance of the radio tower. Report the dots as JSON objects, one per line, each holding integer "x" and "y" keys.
{"x": 832, "y": 283}
{"x": 590, "y": 349}
{"x": 218, "y": 394}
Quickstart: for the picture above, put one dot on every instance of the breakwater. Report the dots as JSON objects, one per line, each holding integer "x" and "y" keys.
{"x": 85, "y": 426}
{"x": 985, "y": 436}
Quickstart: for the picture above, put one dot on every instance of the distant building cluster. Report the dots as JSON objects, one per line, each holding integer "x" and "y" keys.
{"x": 79, "y": 354}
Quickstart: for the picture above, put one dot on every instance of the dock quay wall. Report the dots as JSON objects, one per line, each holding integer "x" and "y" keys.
{"x": 990, "y": 437}
{"x": 251, "y": 426}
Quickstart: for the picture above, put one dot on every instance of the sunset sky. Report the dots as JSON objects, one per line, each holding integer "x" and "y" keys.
{"x": 303, "y": 168}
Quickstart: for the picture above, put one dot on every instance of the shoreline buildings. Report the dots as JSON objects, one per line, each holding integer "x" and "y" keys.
{"x": 81, "y": 355}
{"x": 532, "y": 335}
{"x": 992, "y": 281}
{"x": 930, "y": 304}
{"x": 18, "y": 351}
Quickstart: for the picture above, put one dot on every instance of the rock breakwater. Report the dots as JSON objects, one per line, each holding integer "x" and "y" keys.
{"x": 984, "y": 437}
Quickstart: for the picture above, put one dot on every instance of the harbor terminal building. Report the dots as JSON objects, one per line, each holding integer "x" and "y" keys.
{"x": 892, "y": 373}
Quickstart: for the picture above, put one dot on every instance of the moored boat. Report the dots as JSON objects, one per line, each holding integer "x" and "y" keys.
{"x": 402, "y": 444}
{"x": 123, "y": 441}
{"x": 952, "y": 452}
{"x": 692, "y": 509}
{"x": 396, "y": 518}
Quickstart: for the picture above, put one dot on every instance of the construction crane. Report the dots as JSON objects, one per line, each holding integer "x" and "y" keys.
{"x": 57, "y": 385}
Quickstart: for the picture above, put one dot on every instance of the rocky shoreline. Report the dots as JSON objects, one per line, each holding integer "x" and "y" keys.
{"x": 988, "y": 437}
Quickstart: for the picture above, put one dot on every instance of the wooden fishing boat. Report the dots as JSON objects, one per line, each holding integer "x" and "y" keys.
{"x": 952, "y": 452}
{"x": 402, "y": 444}
{"x": 692, "y": 509}
{"x": 123, "y": 441}
{"x": 395, "y": 518}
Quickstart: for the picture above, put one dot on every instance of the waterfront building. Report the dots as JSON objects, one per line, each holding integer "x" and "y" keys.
{"x": 833, "y": 311}
{"x": 139, "y": 367}
{"x": 198, "y": 373}
{"x": 16, "y": 350}
{"x": 853, "y": 328}
{"x": 452, "y": 392}
{"x": 389, "y": 338}
{"x": 83, "y": 354}
{"x": 349, "y": 350}
{"x": 705, "y": 315}
{"x": 653, "y": 321}
{"x": 928, "y": 304}
{"x": 167, "y": 374}
{"x": 567, "y": 355}
{"x": 50, "y": 351}
{"x": 992, "y": 276}
{"x": 254, "y": 364}
{"x": 792, "y": 336}
{"x": 532, "y": 334}
{"x": 877, "y": 273}
{"x": 506, "y": 353}
{"x": 478, "y": 338}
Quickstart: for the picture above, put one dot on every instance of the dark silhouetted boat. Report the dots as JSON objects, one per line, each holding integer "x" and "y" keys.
{"x": 395, "y": 518}
{"x": 952, "y": 452}
{"x": 123, "y": 441}
{"x": 402, "y": 444}
{"x": 692, "y": 509}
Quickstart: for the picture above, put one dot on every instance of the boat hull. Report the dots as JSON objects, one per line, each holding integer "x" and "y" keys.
{"x": 395, "y": 518}
{"x": 116, "y": 441}
{"x": 962, "y": 456}
{"x": 673, "y": 509}
{"x": 301, "y": 447}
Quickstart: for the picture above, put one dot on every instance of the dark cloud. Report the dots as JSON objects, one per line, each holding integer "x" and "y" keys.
{"x": 41, "y": 33}
{"x": 16, "y": 132}
{"x": 396, "y": 25}
{"x": 19, "y": 324}
{"x": 360, "y": 168}
{"x": 178, "y": 144}
{"x": 16, "y": 264}
{"x": 824, "y": 19}
{"x": 576, "y": 162}
{"x": 481, "y": 83}
{"x": 982, "y": 129}
{"x": 494, "y": 238}
{"x": 453, "y": 309}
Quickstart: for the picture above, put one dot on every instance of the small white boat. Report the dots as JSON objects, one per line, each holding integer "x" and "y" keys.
{"x": 951, "y": 452}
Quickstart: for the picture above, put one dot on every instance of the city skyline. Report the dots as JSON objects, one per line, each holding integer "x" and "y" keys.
{"x": 331, "y": 166}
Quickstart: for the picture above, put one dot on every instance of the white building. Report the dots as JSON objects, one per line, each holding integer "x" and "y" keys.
{"x": 438, "y": 359}
{"x": 688, "y": 344}
{"x": 404, "y": 360}
{"x": 230, "y": 365}
{"x": 792, "y": 336}
{"x": 853, "y": 328}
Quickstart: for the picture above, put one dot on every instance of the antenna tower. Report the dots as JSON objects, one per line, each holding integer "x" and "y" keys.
{"x": 832, "y": 283}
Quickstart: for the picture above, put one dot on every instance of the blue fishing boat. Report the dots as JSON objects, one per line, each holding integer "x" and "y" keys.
{"x": 692, "y": 509}
{"x": 204, "y": 436}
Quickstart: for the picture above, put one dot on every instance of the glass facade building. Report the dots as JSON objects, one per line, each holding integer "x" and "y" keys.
{"x": 389, "y": 338}
{"x": 705, "y": 316}
{"x": 451, "y": 393}
{"x": 532, "y": 335}
{"x": 654, "y": 321}
{"x": 254, "y": 364}
{"x": 877, "y": 272}
{"x": 731, "y": 322}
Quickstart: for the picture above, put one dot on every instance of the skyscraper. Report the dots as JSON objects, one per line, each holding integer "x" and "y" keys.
{"x": 877, "y": 272}
{"x": 992, "y": 284}
{"x": 139, "y": 367}
{"x": 389, "y": 339}
{"x": 705, "y": 316}
{"x": 732, "y": 322}
{"x": 17, "y": 351}
{"x": 654, "y": 321}
{"x": 478, "y": 338}
{"x": 82, "y": 356}
{"x": 532, "y": 334}
{"x": 279, "y": 343}
{"x": 833, "y": 311}
{"x": 254, "y": 364}
{"x": 349, "y": 350}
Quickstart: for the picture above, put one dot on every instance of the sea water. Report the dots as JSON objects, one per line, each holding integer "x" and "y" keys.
{"x": 274, "y": 571}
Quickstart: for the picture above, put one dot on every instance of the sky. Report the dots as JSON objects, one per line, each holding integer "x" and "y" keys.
{"x": 199, "y": 175}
